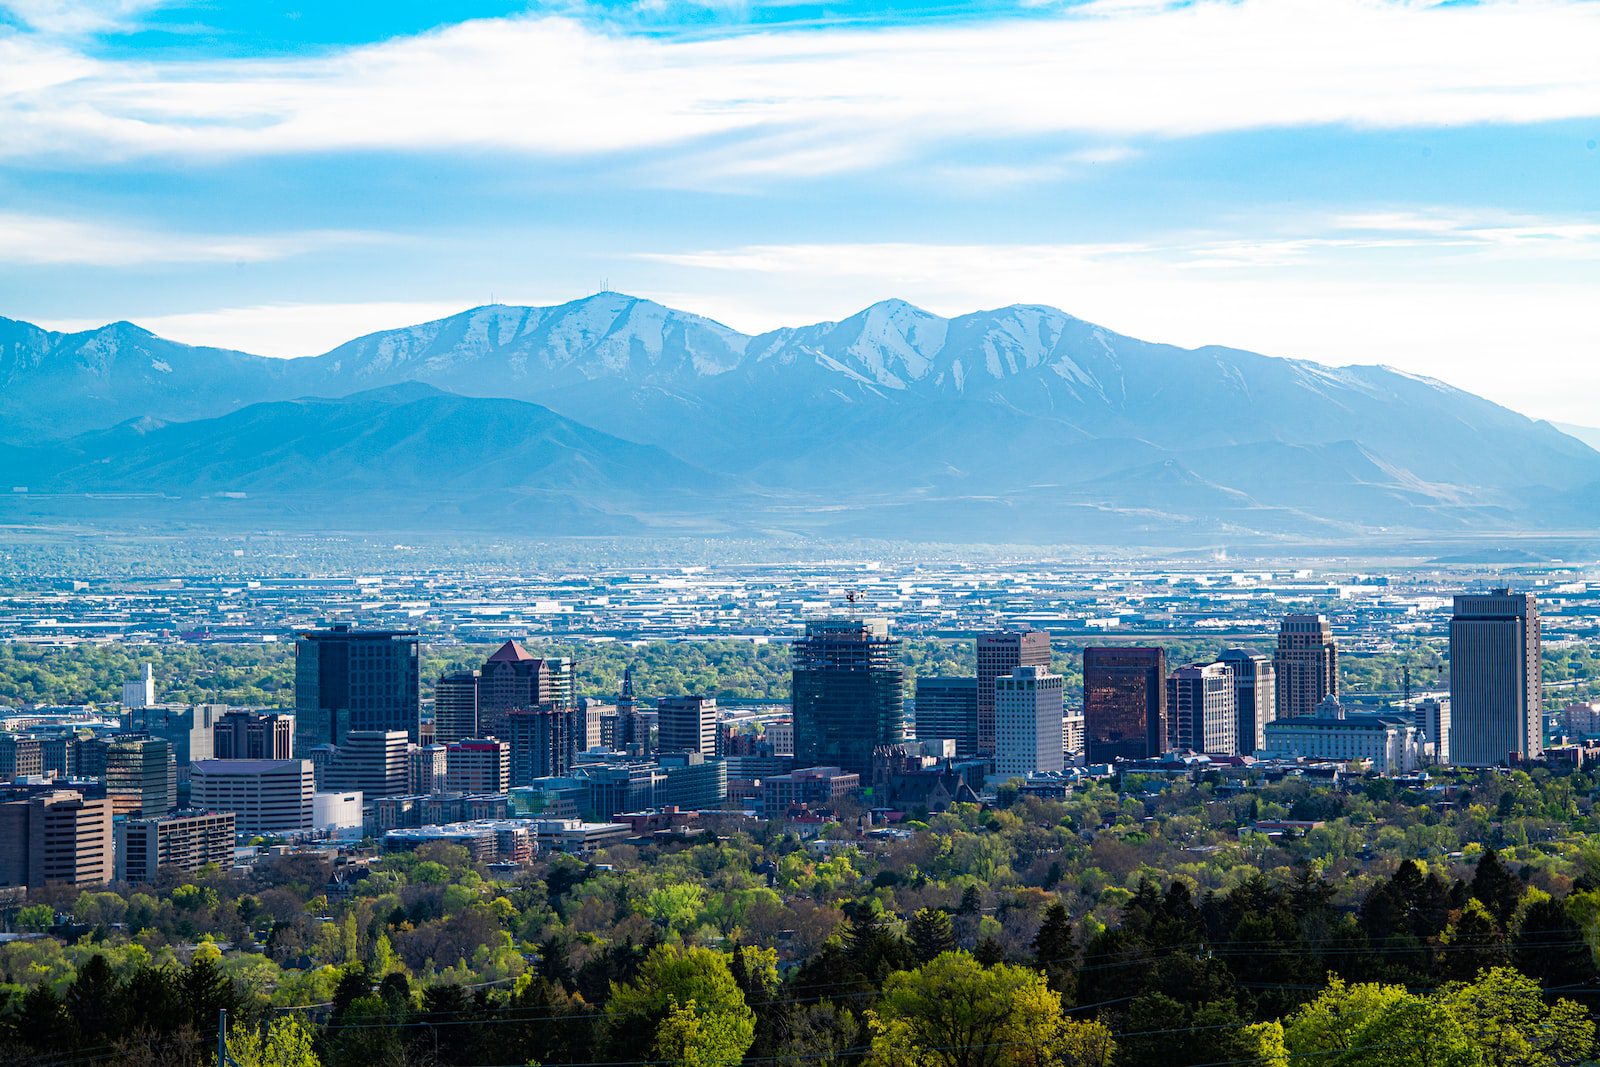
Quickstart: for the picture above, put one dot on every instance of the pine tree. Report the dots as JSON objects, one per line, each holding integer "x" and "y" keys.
{"x": 930, "y": 932}
{"x": 1055, "y": 952}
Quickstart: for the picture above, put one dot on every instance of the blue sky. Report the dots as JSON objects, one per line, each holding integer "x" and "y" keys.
{"x": 1401, "y": 182}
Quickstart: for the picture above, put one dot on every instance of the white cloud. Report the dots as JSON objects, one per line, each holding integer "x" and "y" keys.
{"x": 51, "y": 241}
{"x": 799, "y": 103}
{"x": 285, "y": 330}
{"x": 77, "y": 16}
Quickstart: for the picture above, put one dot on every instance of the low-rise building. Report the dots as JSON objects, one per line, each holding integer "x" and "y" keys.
{"x": 1388, "y": 742}
{"x": 182, "y": 841}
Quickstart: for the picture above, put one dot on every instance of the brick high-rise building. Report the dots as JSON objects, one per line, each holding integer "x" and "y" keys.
{"x": 56, "y": 838}
{"x": 1306, "y": 663}
{"x": 512, "y": 679}
{"x": 999, "y": 653}
{"x": 182, "y": 841}
{"x": 1124, "y": 703}
{"x": 1496, "y": 679}
{"x": 478, "y": 765}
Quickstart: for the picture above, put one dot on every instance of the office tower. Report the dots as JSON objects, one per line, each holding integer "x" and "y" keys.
{"x": 429, "y": 766}
{"x": 265, "y": 796}
{"x": 347, "y": 679}
{"x": 947, "y": 709}
{"x": 1496, "y": 679}
{"x": 140, "y": 693}
{"x": 478, "y": 765}
{"x": 141, "y": 776}
{"x": 1307, "y": 665}
{"x": 630, "y": 733}
{"x": 189, "y": 729}
{"x": 1028, "y": 707}
{"x": 1124, "y": 703}
{"x": 56, "y": 838}
{"x": 542, "y": 744}
{"x": 20, "y": 756}
{"x": 1255, "y": 696}
{"x": 183, "y": 841}
{"x": 1200, "y": 710}
{"x": 999, "y": 653}
{"x": 694, "y": 783}
{"x": 455, "y": 707}
{"x": 779, "y": 736}
{"x": 849, "y": 693}
{"x": 376, "y": 762}
{"x": 586, "y": 723}
{"x": 687, "y": 724}
{"x": 1072, "y": 735}
{"x": 249, "y": 735}
{"x": 58, "y": 756}
{"x": 1432, "y": 720}
{"x": 512, "y": 679}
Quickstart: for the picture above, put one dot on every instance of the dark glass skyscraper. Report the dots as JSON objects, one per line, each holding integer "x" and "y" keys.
{"x": 455, "y": 707}
{"x": 1124, "y": 703}
{"x": 849, "y": 693}
{"x": 347, "y": 679}
{"x": 1496, "y": 679}
{"x": 948, "y": 708}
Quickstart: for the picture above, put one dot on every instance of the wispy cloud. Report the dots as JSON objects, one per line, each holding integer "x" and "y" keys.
{"x": 799, "y": 103}
{"x": 77, "y": 16}
{"x": 45, "y": 240}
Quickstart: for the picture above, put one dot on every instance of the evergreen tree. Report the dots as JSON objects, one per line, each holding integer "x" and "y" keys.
{"x": 1055, "y": 952}
{"x": 930, "y": 932}
{"x": 1496, "y": 888}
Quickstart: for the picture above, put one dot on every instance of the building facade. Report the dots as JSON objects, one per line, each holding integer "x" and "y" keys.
{"x": 1029, "y": 705}
{"x": 265, "y": 796}
{"x": 999, "y": 653}
{"x": 59, "y": 838}
{"x": 1124, "y": 703}
{"x": 253, "y": 735}
{"x": 455, "y": 707}
{"x": 182, "y": 841}
{"x": 849, "y": 693}
{"x": 1389, "y": 742}
{"x": 1255, "y": 696}
{"x": 375, "y": 762}
{"x": 478, "y": 765}
{"x": 1201, "y": 714}
{"x": 347, "y": 679}
{"x": 1306, "y": 663}
{"x": 947, "y": 708}
{"x": 1496, "y": 679}
{"x": 687, "y": 724}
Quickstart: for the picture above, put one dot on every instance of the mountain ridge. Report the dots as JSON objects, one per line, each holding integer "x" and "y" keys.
{"x": 893, "y": 402}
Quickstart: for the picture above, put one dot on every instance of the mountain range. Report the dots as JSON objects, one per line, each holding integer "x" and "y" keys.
{"x": 615, "y": 414}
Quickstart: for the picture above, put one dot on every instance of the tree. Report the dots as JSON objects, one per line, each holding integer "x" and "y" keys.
{"x": 1496, "y": 888}
{"x": 1503, "y": 1014}
{"x": 36, "y": 918}
{"x": 1372, "y": 1025}
{"x": 1549, "y": 946}
{"x": 1473, "y": 942}
{"x": 685, "y": 1006}
{"x": 1055, "y": 951}
{"x": 931, "y": 933}
{"x": 954, "y": 1012}
{"x": 283, "y": 1043}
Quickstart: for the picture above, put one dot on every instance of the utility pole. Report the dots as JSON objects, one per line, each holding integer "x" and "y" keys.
{"x": 223, "y": 1059}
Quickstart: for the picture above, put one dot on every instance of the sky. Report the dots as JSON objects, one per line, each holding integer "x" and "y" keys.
{"x": 1352, "y": 181}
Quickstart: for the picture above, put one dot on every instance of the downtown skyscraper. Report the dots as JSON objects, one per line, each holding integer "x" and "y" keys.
{"x": 849, "y": 693}
{"x": 1124, "y": 703}
{"x": 1306, "y": 663}
{"x": 1496, "y": 679}
{"x": 999, "y": 653}
{"x": 347, "y": 679}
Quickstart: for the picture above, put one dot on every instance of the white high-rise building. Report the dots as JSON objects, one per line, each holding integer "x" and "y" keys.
{"x": 1432, "y": 718}
{"x": 142, "y": 693}
{"x": 1028, "y": 713}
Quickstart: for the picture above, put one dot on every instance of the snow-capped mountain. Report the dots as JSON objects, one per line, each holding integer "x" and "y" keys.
{"x": 1021, "y": 414}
